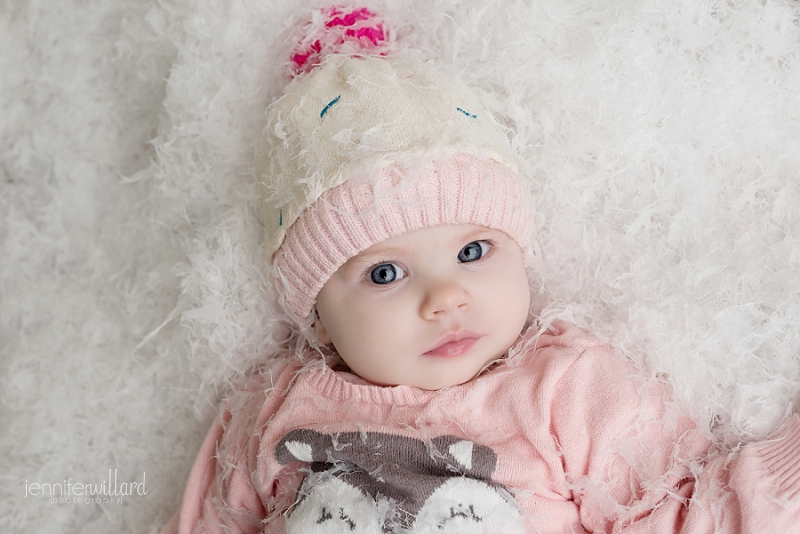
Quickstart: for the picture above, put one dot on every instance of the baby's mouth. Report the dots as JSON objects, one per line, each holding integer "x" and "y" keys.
{"x": 454, "y": 344}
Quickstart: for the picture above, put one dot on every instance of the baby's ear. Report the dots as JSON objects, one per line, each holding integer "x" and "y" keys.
{"x": 320, "y": 331}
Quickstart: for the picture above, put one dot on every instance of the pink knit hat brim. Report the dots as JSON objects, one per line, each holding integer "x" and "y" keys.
{"x": 456, "y": 188}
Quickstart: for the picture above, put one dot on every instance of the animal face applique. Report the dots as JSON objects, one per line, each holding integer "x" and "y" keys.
{"x": 372, "y": 482}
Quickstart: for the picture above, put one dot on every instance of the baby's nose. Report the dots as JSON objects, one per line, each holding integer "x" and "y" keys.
{"x": 443, "y": 297}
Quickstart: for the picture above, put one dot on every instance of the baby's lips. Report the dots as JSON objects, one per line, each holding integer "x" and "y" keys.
{"x": 453, "y": 341}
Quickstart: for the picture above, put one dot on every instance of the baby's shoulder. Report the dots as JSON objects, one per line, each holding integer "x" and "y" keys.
{"x": 562, "y": 350}
{"x": 558, "y": 338}
{"x": 262, "y": 386}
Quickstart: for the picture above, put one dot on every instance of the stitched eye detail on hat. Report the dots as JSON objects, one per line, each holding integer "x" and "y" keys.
{"x": 467, "y": 113}
{"x": 328, "y": 106}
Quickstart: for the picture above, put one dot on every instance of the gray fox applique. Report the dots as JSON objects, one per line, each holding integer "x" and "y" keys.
{"x": 376, "y": 483}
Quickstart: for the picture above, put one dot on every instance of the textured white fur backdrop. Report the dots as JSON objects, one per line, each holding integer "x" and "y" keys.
{"x": 661, "y": 138}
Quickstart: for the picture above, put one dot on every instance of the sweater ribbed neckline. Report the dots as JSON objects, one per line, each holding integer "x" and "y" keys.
{"x": 334, "y": 386}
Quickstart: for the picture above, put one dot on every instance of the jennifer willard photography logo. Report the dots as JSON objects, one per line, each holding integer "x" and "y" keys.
{"x": 69, "y": 492}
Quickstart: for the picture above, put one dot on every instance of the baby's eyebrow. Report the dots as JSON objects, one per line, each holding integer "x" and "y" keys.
{"x": 480, "y": 233}
{"x": 370, "y": 258}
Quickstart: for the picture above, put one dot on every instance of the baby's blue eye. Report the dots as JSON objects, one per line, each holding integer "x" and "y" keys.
{"x": 473, "y": 251}
{"x": 386, "y": 273}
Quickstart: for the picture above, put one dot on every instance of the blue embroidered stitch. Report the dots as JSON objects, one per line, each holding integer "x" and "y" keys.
{"x": 467, "y": 113}
{"x": 280, "y": 221}
{"x": 327, "y": 107}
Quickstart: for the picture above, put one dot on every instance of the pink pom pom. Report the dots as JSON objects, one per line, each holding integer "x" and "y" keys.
{"x": 342, "y": 30}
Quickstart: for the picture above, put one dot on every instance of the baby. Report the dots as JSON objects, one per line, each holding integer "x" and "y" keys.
{"x": 399, "y": 241}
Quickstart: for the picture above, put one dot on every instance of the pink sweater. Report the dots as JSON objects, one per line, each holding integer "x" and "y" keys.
{"x": 561, "y": 437}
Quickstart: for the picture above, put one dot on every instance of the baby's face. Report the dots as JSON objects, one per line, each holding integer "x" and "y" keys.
{"x": 428, "y": 308}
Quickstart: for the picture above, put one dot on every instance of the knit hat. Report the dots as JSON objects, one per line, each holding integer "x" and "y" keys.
{"x": 364, "y": 146}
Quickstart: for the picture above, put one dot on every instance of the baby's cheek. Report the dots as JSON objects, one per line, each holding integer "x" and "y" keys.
{"x": 367, "y": 346}
{"x": 513, "y": 306}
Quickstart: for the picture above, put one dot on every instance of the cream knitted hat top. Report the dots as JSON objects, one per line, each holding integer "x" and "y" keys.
{"x": 363, "y": 147}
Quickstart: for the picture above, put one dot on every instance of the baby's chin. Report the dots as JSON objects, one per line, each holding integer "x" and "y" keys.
{"x": 448, "y": 380}
{"x": 427, "y": 383}
{"x": 443, "y": 384}
{"x": 426, "y": 372}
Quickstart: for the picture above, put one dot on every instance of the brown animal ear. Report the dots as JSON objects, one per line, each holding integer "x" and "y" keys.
{"x": 303, "y": 445}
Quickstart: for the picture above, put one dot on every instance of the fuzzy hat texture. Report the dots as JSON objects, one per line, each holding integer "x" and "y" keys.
{"x": 364, "y": 146}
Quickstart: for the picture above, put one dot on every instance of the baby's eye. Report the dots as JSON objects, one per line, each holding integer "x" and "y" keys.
{"x": 386, "y": 273}
{"x": 473, "y": 251}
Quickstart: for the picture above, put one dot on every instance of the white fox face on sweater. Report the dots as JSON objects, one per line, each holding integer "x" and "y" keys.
{"x": 379, "y": 483}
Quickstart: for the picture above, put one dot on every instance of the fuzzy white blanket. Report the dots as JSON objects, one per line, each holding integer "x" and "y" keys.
{"x": 662, "y": 142}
